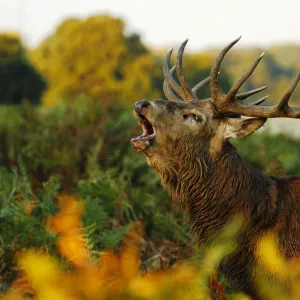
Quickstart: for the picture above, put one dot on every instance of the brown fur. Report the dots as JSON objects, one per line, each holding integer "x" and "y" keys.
{"x": 206, "y": 175}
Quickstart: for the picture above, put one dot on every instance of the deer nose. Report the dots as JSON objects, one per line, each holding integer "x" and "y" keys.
{"x": 141, "y": 106}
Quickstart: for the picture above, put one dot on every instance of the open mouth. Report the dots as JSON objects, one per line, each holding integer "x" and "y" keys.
{"x": 149, "y": 131}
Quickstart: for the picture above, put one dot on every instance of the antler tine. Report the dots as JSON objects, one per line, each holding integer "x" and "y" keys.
{"x": 189, "y": 95}
{"x": 281, "y": 110}
{"x": 232, "y": 92}
{"x": 244, "y": 96}
{"x": 284, "y": 103}
{"x": 200, "y": 85}
{"x": 216, "y": 92}
{"x": 261, "y": 100}
{"x": 168, "y": 91}
{"x": 168, "y": 77}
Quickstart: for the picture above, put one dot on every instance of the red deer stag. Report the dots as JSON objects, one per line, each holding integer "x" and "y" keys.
{"x": 186, "y": 140}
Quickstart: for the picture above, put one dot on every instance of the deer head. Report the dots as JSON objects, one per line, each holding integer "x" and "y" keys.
{"x": 185, "y": 125}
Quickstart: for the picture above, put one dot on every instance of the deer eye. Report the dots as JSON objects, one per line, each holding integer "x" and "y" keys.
{"x": 192, "y": 117}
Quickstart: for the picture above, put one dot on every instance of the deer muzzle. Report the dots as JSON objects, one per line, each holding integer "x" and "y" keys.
{"x": 147, "y": 138}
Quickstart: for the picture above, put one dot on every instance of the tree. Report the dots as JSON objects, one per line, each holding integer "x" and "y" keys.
{"x": 94, "y": 57}
{"x": 18, "y": 78}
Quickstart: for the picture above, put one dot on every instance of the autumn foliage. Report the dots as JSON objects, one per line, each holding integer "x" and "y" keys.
{"x": 117, "y": 274}
{"x": 113, "y": 275}
{"x": 94, "y": 57}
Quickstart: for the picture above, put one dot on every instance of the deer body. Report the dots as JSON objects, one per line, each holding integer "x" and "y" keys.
{"x": 187, "y": 143}
{"x": 212, "y": 192}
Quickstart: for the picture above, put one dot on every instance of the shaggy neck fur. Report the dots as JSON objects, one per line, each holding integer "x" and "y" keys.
{"x": 212, "y": 191}
{"x": 215, "y": 188}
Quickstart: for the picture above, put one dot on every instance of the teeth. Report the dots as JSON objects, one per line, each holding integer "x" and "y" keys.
{"x": 149, "y": 131}
{"x": 147, "y": 137}
{"x": 144, "y": 138}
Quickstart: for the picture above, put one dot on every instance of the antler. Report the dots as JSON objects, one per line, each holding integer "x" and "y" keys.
{"x": 175, "y": 92}
{"x": 183, "y": 90}
{"x": 231, "y": 102}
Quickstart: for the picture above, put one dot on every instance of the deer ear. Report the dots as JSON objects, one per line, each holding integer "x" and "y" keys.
{"x": 238, "y": 128}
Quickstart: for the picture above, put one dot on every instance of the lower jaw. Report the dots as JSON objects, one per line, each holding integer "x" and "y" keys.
{"x": 142, "y": 145}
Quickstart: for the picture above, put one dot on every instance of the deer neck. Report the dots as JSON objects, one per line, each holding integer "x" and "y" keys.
{"x": 212, "y": 190}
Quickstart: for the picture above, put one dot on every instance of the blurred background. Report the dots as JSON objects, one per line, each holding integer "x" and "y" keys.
{"x": 70, "y": 73}
{"x": 107, "y": 49}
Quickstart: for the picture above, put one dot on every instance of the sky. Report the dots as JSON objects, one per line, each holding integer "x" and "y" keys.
{"x": 162, "y": 23}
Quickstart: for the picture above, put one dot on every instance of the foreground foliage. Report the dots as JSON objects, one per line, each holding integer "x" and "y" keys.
{"x": 121, "y": 275}
{"x": 108, "y": 274}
